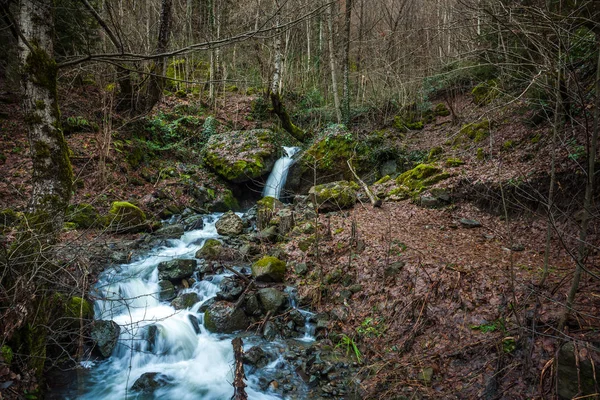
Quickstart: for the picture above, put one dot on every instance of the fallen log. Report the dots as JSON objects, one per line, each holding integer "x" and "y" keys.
{"x": 239, "y": 386}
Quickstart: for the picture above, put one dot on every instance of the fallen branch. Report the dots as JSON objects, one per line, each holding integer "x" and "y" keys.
{"x": 375, "y": 201}
{"x": 239, "y": 386}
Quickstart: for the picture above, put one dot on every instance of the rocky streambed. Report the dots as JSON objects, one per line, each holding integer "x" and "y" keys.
{"x": 164, "y": 322}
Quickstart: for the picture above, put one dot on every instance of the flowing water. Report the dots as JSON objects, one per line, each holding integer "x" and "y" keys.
{"x": 276, "y": 180}
{"x": 196, "y": 363}
{"x": 157, "y": 338}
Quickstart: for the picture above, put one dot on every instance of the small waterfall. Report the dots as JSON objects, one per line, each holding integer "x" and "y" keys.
{"x": 278, "y": 176}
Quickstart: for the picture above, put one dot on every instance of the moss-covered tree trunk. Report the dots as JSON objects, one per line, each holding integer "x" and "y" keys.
{"x": 28, "y": 273}
{"x": 52, "y": 173}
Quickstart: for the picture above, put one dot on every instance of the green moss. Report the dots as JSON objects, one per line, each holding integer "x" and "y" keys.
{"x": 69, "y": 226}
{"x": 340, "y": 194}
{"x": 476, "y": 131}
{"x": 266, "y": 202}
{"x": 485, "y": 92}
{"x": 83, "y": 215}
{"x": 7, "y": 354}
{"x": 441, "y": 110}
{"x": 383, "y": 180}
{"x": 404, "y": 123}
{"x": 434, "y": 153}
{"x": 8, "y": 217}
{"x": 125, "y": 217}
{"x": 269, "y": 268}
{"x": 76, "y": 307}
{"x": 508, "y": 144}
{"x": 230, "y": 201}
{"x": 210, "y": 250}
{"x": 416, "y": 180}
{"x": 454, "y": 162}
{"x": 535, "y": 139}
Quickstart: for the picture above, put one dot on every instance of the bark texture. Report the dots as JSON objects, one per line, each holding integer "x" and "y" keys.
{"x": 52, "y": 173}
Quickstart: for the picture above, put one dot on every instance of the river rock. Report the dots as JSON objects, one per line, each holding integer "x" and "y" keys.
{"x": 211, "y": 250}
{"x": 252, "y": 305}
{"x": 167, "y": 290}
{"x": 105, "y": 335}
{"x": 149, "y": 382}
{"x": 334, "y": 195}
{"x": 174, "y": 231}
{"x": 269, "y": 269}
{"x": 223, "y": 317}
{"x": 255, "y": 357}
{"x": 230, "y": 224}
{"x": 230, "y": 289}
{"x": 271, "y": 299}
{"x": 186, "y": 300}
{"x": 175, "y": 270}
{"x": 193, "y": 223}
{"x": 571, "y": 374}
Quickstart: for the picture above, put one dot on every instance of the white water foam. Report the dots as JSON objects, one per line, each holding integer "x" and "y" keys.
{"x": 278, "y": 176}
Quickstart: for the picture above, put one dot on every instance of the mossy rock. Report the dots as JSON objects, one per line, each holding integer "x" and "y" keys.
{"x": 83, "y": 215}
{"x": 269, "y": 269}
{"x": 266, "y": 208}
{"x": 326, "y": 159}
{"x": 334, "y": 195}
{"x": 434, "y": 153}
{"x": 476, "y": 131}
{"x": 223, "y": 201}
{"x": 77, "y": 306}
{"x": 421, "y": 177}
{"x": 242, "y": 156}
{"x": 383, "y": 180}
{"x": 211, "y": 250}
{"x": 454, "y": 162}
{"x": 485, "y": 92}
{"x": 124, "y": 217}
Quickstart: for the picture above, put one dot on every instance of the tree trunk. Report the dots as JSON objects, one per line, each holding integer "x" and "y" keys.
{"x": 336, "y": 98}
{"x": 278, "y": 56}
{"x": 52, "y": 173}
{"x": 157, "y": 81}
{"x": 346, "y": 93}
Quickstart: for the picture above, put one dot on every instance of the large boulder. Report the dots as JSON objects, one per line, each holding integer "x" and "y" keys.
{"x": 326, "y": 159}
{"x": 176, "y": 270}
{"x": 224, "y": 317}
{"x": 334, "y": 195}
{"x": 105, "y": 335}
{"x": 241, "y": 156}
{"x": 124, "y": 217}
{"x": 269, "y": 269}
{"x": 230, "y": 288}
{"x": 230, "y": 224}
{"x": 185, "y": 300}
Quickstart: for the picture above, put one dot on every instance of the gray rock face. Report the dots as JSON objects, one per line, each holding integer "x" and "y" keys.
{"x": 193, "y": 222}
{"x": 469, "y": 223}
{"x": 223, "y": 317}
{"x": 230, "y": 224}
{"x": 105, "y": 335}
{"x": 176, "y": 270}
{"x": 271, "y": 299}
{"x": 167, "y": 290}
{"x": 149, "y": 382}
{"x": 186, "y": 300}
{"x": 571, "y": 375}
{"x": 230, "y": 289}
{"x": 256, "y": 357}
{"x": 170, "y": 232}
{"x": 429, "y": 202}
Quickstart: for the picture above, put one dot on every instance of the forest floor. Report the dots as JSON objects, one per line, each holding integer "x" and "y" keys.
{"x": 443, "y": 310}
